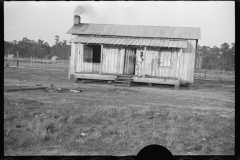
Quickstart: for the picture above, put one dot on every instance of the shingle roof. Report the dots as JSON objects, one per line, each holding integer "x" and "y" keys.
{"x": 134, "y": 41}
{"x": 136, "y": 31}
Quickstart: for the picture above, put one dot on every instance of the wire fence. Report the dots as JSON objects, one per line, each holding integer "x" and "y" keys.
{"x": 214, "y": 75}
{"x": 36, "y": 63}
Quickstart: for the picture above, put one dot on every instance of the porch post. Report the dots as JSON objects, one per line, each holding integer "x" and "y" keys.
{"x": 101, "y": 60}
{"x": 143, "y": 64}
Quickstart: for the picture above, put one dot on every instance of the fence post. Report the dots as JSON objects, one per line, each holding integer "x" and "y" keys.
{"x": 7, "y": 63}
{"x": 69, "y": 67}
{"x": 17, "y": 63}
{"x": 31, "y": 62}
{"x": 205, "y": 73}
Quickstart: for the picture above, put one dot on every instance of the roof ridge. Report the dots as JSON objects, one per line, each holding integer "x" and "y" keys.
{"x": 139, "y": 25}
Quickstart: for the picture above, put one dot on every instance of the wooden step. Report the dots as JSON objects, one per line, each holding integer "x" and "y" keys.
{"x": 123, "y": 77}
{"x": 122, "y": 81}
{"x": 124, "y": 85}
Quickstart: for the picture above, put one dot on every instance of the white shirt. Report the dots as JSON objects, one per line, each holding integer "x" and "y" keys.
{"x": 139, "y": 59}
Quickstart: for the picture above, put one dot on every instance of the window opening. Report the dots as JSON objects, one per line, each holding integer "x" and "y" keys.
{"x": 92, "y": 53}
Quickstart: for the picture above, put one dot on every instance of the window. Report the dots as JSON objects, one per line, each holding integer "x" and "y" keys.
{"x": 165, "y": 58}
{"x": 92, "y": 53}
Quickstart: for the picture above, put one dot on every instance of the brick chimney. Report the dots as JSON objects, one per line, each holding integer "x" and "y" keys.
{"x": 77, "y": 19}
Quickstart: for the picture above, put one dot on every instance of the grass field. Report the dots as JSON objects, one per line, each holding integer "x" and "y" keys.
{"x": 38, "y": 64}
{"x": 107, "y": 120}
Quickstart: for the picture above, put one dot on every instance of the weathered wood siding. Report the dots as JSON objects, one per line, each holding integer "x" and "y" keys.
{"x": 72, "y": 60}
{"x": 113, "y": 59}
{"x": 169, "y": 62}
{"x": 85, "y": 66}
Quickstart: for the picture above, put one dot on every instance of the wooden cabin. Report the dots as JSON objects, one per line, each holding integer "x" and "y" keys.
{"x": 109, "y": 52}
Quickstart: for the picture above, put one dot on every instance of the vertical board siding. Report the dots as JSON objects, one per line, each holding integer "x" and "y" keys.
{"x": 72, "y": 59}
{"x": 186, "y": 62}
{"x": 160, "y": 62}
{"x": 113, "y": 59}
{"x": 85, "y": 66}
{"x": 75, "y": 58}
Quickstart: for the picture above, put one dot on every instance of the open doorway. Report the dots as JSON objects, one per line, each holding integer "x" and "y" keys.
{"x": 129, "y": 61}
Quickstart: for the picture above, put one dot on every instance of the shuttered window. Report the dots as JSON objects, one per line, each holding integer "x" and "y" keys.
{"x": 87, "y": 54}
{"x": 165, "y": 58}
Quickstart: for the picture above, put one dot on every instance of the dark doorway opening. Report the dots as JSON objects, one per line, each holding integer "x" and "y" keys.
{"x": 129, "y": 62}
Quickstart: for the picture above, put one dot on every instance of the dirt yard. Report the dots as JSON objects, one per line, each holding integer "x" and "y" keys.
{"x": 106, "y": 120}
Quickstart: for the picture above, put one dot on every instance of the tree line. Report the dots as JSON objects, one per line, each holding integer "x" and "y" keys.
{"x": 27, "y": 48}
{"x": 215, "y": 58}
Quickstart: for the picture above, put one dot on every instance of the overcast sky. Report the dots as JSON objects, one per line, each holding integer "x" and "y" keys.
{"x": 44, "y": 20}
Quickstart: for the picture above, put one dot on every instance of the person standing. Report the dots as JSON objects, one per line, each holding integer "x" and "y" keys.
{"x": 139, "y": 64}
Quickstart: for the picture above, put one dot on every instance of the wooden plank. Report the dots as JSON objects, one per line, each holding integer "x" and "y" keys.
{"x": 180, "y": 64}
{"x": 183, "y": 65}
{"x": 166, "y": 43}
{"x": 184, "y": 44}
{"x": 77, "y": 52}
{"x": 147, "y": 60}
{"x": 158, "y": 60}
{"x": 155, "y": 80}
{"x": 121, "y": 59}
{"x": 130, "y": 41}
{"x": 174, "y": 63}
{"x": 161, "y": 44}
{"x": 180, "y": 44}
{"x": 147, "y": 43}
{"x": 95, "y": 76}
{"x": 75, "y": 58}
{"x": 117, "y": 40}
{"x": 101, "y": 60}
{"x": 175, "y": 44}
{"x": 153, "y": 61}
{"x": 152, "y": 42}
{"x": 193, "y": 53}
{"x": 121, "y": 41}
{"x": 177, "y": 64}
{"x": 170, "y": 44}
{"x": 107, "y": 59}
{"x": 27, "y": 88}
{"x": 117, "y": 60}
{"x": 72, "y": 58}
{"x": 114, "y": 60}
{"x": 157, "y": 42}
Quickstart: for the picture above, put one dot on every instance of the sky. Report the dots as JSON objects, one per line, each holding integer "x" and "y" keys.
{"x": 44, "y": 20}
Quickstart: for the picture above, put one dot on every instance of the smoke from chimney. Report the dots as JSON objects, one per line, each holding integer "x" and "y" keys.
{"x": 100, "y": 14}
{"x": 83, "y": 9}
